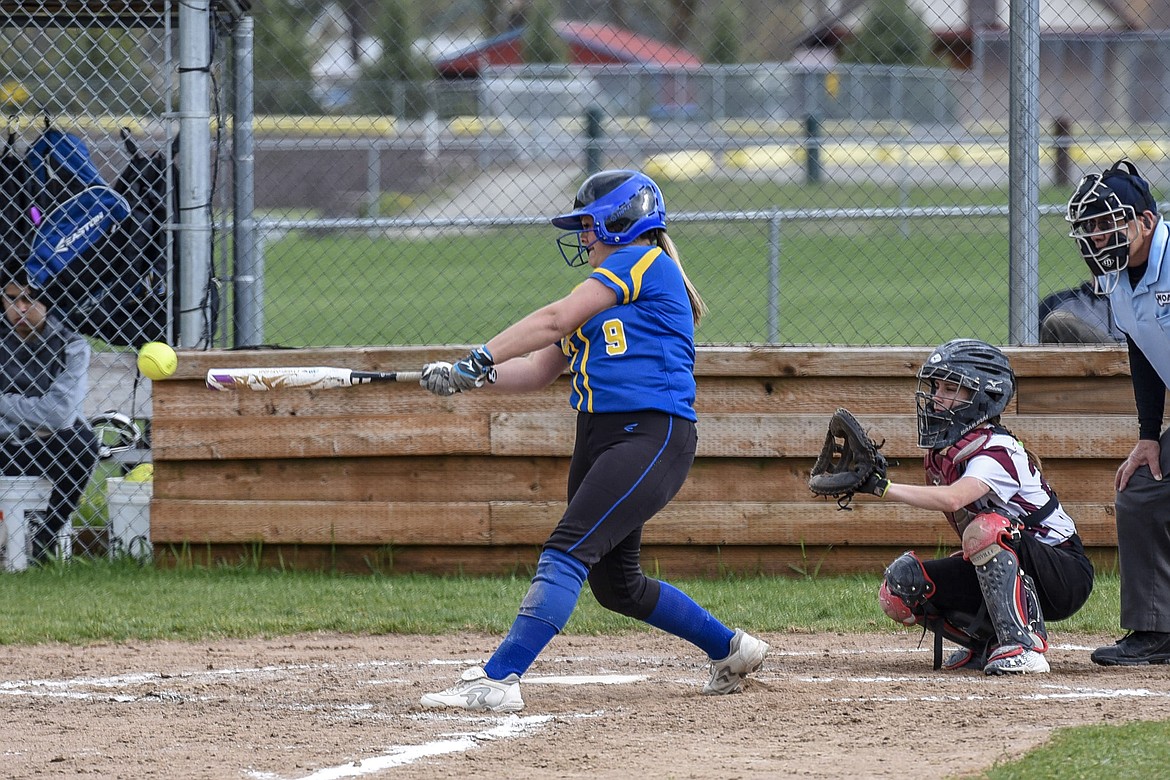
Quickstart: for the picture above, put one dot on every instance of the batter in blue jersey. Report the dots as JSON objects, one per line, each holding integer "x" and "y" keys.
{"x": 628, "y": 335}
{"x": 640, "y": 354}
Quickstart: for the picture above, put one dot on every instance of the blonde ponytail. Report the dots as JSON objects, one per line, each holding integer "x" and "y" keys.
{"x": 698, "y": 306}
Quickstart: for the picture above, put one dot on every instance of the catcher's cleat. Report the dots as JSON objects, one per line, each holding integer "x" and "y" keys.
{"x": 966, "y": 658}
{"x": 1016, "y": 659}
{"x": 477, "y": 692}
{"x": 746, "y": 656}
{"x": 1138, "y": 648}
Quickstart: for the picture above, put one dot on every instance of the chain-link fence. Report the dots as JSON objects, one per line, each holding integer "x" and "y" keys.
{"x": 89, "y": 92}
{"x": 365, "y": 172}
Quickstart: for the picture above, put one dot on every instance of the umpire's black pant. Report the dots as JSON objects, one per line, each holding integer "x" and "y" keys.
{"x": 1143, "y": 547}
{"x": 66, "y": 458}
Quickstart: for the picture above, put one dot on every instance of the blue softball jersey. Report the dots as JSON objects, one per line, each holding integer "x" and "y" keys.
{"x": 640, "y": 354}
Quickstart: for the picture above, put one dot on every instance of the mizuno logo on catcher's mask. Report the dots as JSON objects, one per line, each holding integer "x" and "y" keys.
{"x": 995, "y": 384}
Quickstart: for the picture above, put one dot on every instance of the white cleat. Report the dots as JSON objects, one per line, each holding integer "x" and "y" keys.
{"x": 476, "y": 692}
{"x": 746, "y": 656}
{"x": 1016, "y": 659}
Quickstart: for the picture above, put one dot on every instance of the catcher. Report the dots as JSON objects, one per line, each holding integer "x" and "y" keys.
{"x": 1021, "y": 559}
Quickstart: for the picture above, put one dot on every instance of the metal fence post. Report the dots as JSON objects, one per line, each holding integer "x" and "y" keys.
{"x": 1062, "y": 142}
{"x": 194, "y": 173}
{"x": 247, "y": 281}
{"x": 812, "y": 149}
{"x": 774, "y": 278}
{"x": 593, "y": 134}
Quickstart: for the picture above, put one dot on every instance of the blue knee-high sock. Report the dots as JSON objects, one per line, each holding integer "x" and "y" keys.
{"x": 678, "y": 614}
{"x": 544, "y": 612}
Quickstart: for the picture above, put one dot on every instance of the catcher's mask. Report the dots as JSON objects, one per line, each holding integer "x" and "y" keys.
{"x": 1100, "y": 211}
{"x": 623, "y": 205}
{"x": 985, "y": 375}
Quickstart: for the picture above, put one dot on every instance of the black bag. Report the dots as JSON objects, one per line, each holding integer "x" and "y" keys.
{"x": 130, "y": 298}
{"x": 117, "y": 286}
{"x": 16, "y": 226}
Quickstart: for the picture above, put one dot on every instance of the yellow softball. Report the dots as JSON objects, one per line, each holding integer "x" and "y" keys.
{"x": 157, "y": 360}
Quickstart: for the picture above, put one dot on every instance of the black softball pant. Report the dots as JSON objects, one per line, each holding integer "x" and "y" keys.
{"x": 625, "y": 468}
{"x": 1063, "y": 576}
{"x": 66, "y": 458}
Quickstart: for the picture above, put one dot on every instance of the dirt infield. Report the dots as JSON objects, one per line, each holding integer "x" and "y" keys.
{"x": 334, "y": 706}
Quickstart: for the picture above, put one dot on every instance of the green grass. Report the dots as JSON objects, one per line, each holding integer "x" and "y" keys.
{"x": 921, "y": 281}
{"x": 1094, "y": 753}
{"x": 92, "y": 600}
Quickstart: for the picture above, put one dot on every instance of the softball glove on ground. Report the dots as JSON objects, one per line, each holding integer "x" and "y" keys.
{"x": 850, "y": 462}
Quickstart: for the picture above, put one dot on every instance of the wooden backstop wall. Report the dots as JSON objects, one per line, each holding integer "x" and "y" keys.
{"x": 390, "y": 478}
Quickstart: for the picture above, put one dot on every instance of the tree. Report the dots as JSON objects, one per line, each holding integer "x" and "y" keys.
{"x": 724, "y": 38}
{"x": 682, "y": 20}
{"x": 395, "y": 83}
{"x": 541, "y": 42}
{"x": 893, "y": 34}
{"x": 282, "y": 58}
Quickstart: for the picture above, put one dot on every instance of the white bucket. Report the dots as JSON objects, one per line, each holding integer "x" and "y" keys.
{"x": 129, "y": 525}
{"x": 23, "y": 501}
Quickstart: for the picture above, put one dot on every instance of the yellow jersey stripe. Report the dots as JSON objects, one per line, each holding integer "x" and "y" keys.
{"x": 585, "y": 389}
{"x": 640, "y": 268}
{"x": 613, "y": 278}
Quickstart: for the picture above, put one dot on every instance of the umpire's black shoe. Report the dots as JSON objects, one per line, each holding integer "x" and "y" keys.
{"x": 1137, "y": 648}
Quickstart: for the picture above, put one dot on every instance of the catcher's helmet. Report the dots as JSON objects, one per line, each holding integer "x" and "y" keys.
{"x": 623, "y": 204}
{"x": 1100, "y": 211}
{"x": 975, "y": 365}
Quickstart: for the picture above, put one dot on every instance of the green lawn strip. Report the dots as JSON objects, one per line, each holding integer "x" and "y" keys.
{"x": 1103, "y": 752}
{"x": 96, "y": 600}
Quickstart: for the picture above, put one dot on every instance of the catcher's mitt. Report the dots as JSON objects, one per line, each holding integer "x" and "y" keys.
{"x": 850, "y": 462}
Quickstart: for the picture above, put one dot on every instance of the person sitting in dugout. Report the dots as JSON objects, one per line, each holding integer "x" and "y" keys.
{"x": 44, "y": 369}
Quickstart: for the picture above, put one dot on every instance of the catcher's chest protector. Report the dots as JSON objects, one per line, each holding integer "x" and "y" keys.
{"x": 944, "y": 467}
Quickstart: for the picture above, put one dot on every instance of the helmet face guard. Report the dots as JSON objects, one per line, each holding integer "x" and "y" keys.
{"x": 1100, "y": 226}
{"x": 622, "y": 204}
{"x": 986, "y": 381}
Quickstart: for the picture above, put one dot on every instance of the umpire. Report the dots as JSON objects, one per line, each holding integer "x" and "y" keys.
{"x": 1124, "y": 241}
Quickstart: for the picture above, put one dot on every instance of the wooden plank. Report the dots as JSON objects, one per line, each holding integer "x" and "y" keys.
{"x": 484, "y": 478}
{"x": 410, "y": 478}
{"x": 786, "y": 435}
{"x": 1103, "y": 395}
{"x": 758, "y": 361}
{"x": 666, "y": 561}
{"x": 317, "y": 522}
{"x": 784, "y": 523}
{"x": 182, "y": 400}
{"x": 514, "y": 522}
{"x": 316, "y": 437}
{"x": 793, "y": 395}
{"x": 1044, "y": 360}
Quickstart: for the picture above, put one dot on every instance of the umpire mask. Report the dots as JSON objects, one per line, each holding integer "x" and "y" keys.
{"x": 1100, "y": 211}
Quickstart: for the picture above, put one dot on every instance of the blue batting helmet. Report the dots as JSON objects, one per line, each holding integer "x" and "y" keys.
{"x": 623, "y": 204}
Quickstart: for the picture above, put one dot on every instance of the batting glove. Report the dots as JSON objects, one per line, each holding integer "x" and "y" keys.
{"x": 436, "y": 377}
{"x": 475, "y": 370}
